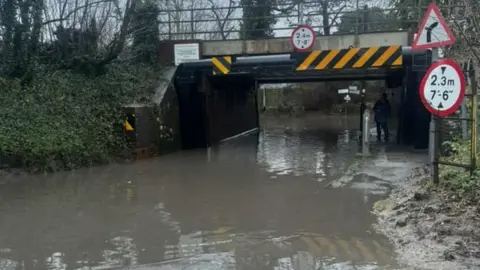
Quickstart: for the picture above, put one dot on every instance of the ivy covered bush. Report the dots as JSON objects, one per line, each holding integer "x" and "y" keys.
{"x": 461, "y": 180}
{"x": 457, "y": 150}
{"x": 63, "y": 119}
{"x": 64, "y": 78}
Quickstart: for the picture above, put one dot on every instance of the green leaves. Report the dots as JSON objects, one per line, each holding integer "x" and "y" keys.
{"x": 64, "y": 120}
{"x": 459, "y": 179}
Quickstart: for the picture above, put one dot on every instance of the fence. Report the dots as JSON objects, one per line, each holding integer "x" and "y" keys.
{"x": 456, "y": 136}
{"x": 235, "y": 21}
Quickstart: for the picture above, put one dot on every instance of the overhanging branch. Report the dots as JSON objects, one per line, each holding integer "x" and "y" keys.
{"x": 75, "y": 10}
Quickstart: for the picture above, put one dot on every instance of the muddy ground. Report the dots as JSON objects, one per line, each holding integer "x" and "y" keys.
{"x": 430, "y": 229}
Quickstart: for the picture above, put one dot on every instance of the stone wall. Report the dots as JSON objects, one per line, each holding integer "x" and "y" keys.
{"x": 155, "y": 124}
{"x": 168, "y": 122}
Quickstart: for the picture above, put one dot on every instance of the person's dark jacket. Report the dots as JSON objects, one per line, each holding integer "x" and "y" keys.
{"x": 382, "y": 110}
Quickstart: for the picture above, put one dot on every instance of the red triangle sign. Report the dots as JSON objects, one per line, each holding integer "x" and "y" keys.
{"x": 433, "y": 31}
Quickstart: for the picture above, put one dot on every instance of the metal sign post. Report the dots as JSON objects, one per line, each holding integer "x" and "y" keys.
{"x": 366, "y": 133}
{"x": 433, "y": 138}
{"x": 443, "y": 86}
{"x": 352, "y": 89}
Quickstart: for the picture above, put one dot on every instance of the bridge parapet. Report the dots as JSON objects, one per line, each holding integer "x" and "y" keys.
{"x": 282, "y": 45}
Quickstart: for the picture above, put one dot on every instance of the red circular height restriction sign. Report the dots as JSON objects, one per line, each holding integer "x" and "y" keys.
{"x": 303, "y": 38}
{"x": 443, "y": 88}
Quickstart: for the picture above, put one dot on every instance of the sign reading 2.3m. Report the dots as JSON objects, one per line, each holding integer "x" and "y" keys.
{"x": 443, "y": 88}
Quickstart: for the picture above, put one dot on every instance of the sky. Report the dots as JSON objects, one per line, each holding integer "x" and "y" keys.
{"x": 283, "y": 27}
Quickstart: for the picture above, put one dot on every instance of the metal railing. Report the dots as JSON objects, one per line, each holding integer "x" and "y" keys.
{"x": 212, "y": 22}
{"x": 456, "y": 136}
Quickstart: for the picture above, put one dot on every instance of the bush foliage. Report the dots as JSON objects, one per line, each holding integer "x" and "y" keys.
{"x": 464, "y": 182}
{"x": 64, "y": 80}
{"x": 63, "y": 119}
{"x": 461, "y": 180}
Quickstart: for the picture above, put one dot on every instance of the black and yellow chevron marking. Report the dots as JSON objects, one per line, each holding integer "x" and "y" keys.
{"x": 129, "y": 122}
{"x": 373, "y": 57}
{"x": 221, "y": 65}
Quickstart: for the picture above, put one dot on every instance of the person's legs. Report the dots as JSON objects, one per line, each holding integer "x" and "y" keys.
{"x": 385, "y": 130}
{"x": 379, "y": 130}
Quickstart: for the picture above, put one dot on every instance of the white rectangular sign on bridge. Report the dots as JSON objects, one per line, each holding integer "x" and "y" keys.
{"x": 186, "y": 52}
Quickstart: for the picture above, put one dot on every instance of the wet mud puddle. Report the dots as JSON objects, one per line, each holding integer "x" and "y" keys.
{"x": 275, "y": 200}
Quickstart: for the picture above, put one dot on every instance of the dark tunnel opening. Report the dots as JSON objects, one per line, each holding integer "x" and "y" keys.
{"x": 213, "y": 108}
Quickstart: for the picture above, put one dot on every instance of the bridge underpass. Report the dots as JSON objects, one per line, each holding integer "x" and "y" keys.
{"x": 217, "y": 96}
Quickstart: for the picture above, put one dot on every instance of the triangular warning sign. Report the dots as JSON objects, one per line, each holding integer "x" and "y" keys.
{"x": 433, "y": 31}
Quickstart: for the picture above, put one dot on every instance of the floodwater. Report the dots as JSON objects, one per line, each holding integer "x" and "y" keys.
{"x": 263, "y": 201}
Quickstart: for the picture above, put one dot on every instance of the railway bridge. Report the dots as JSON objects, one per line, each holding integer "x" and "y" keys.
{"x": 217, "y": 97}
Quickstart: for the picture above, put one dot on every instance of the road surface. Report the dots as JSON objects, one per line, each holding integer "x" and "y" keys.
{"x": 285, "y": 198}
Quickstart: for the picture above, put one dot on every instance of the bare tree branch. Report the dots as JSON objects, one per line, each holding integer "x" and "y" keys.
{"x": 119, "y": 43}
{"x": 223, "y": 19}
{"x": 72, "y": 12}
{"x": 466, "y": 39}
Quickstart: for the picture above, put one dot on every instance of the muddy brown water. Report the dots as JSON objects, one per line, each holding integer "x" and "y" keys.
{"x": 255, "y": 202}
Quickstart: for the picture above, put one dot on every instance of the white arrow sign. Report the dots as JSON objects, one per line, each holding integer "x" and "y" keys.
{"x": 353, "y": 88}
{"x": 357, "y": 92}
{"x": 433, "y": 31}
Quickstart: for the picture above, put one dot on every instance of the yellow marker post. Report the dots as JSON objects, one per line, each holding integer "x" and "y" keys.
{"x": 127, "y": 126}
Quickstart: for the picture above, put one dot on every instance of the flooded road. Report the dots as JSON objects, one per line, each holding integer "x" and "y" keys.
{"x": 263, "y": 201}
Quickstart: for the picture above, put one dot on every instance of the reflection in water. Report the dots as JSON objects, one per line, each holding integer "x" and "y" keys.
{"x": 8, "y": 264}
{"x": 56, "y": 261}
{"x": 317, "y": 155}
{"x": 215, "y": 209}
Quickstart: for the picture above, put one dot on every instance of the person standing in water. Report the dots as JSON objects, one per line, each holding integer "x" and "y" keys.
{"x": 382, "y": 113}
